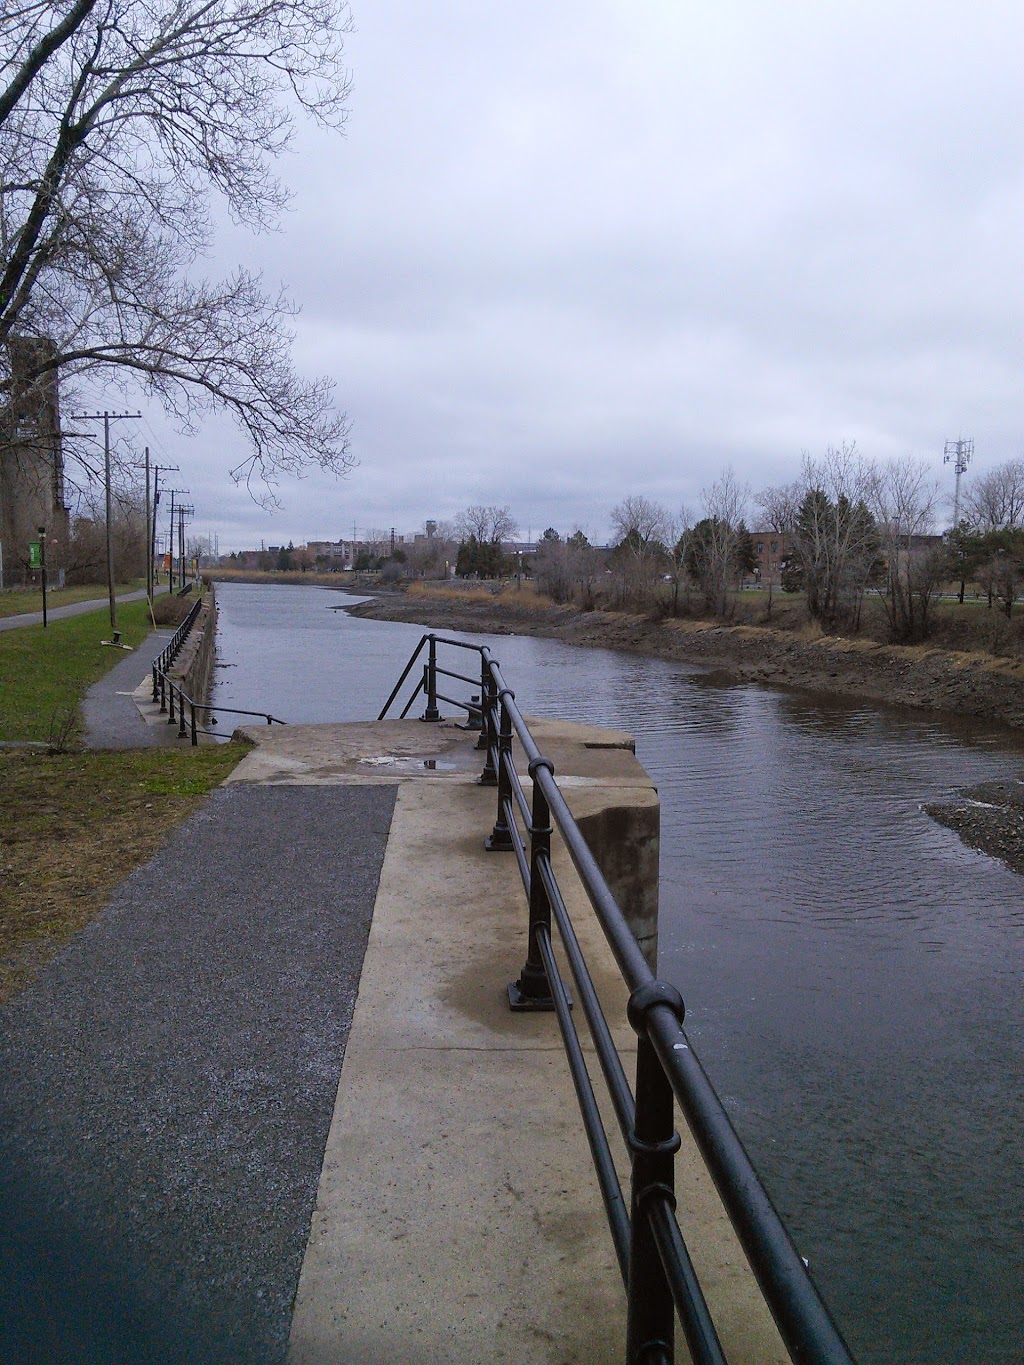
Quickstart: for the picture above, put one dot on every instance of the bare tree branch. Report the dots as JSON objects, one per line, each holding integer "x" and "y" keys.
{"x": 117, "y": 124}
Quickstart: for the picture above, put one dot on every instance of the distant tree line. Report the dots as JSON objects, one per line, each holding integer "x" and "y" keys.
{"x": 853, "y": 529}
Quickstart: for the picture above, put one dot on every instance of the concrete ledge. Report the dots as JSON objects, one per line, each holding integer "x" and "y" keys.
{"x": 458, "y": 1217}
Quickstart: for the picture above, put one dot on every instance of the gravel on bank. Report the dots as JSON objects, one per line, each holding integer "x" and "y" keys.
{"x": 989, "y": 817}
{"x": 964, "y": 684}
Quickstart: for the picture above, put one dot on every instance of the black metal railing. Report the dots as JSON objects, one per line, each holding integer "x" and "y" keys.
{"x": 656, "y": 1268}
{"x": 174, "y": 699}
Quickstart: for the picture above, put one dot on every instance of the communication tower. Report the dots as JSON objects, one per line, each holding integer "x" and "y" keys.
{"x": 959, "y": 453}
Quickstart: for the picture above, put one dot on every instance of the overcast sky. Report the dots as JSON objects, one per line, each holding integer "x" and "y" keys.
{"x": 569, "y": 252}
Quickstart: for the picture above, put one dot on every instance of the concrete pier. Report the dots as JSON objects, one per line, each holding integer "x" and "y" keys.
{"x": 458, "y": 1217}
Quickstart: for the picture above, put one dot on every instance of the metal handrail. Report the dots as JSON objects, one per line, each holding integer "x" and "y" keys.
{"x": 656, "y": 1268}
{"x": 165, "y": 689}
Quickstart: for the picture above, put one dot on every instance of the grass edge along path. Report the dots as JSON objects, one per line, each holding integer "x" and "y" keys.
{"x": 74, "y": 824}
{"x": 45, "y": 673}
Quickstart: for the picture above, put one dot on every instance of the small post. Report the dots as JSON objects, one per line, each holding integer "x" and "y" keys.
{"x": 181, "y": 714}
{"x": 500, "y": 838}
{"x": 170, "y": 702}
{"x": 195, "y": 737}
{"x": 430, "y": 683}
{"x": 650, "y": 1312}
{"x": 163, "y": 693}
{"x": 488, "y": 740}
{"x": 42, "y": 565}
{"x": 531, "y": 991}
{"x": 485, "y": 693}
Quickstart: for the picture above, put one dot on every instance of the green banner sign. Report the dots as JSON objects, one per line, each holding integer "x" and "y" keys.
{"x": 35, "y": 555}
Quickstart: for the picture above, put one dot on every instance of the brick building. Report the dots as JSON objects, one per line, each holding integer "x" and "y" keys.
{"x": 770, "y": 551}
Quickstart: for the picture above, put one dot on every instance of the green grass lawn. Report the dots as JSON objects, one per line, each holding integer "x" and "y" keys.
{"x": 45, "y": 673}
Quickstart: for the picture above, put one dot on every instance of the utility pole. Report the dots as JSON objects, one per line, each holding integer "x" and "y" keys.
{"x": 149, "y": 558}
{"x": 154, "y": 572}
{"x": 170, "y": 539}
{"x": 152, "y": 575}
{"x": 960, "y": 452}
{"x": 184, "y": 510}
{"x": 107, "y": 418}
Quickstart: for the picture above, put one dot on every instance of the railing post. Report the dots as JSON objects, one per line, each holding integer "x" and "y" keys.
{"x": 486, "y": 687}
{"x": 163, "y": 694}
{"x": 430, "y": 683}
{"x": 650, "y": 1311}
{"x": 181, "y": 714}
{"x": 195, "y": 737}
{"x": 531, "y": 991}
{"x": 489, "y": 734}
{"x": 170, "y": 702}
{"x": 156, "y": 683}
{"x": 500, "y": 838}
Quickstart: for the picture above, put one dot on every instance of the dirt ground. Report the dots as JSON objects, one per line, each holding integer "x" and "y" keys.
{"x": 989, "y": 818}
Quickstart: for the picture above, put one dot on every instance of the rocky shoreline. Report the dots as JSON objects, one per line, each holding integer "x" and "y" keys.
{"x": 989, "y": 818}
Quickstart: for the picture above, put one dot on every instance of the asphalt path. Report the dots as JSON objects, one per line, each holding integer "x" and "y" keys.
{"x": 110, "y": 718}
{"x": 167, "y": 1083}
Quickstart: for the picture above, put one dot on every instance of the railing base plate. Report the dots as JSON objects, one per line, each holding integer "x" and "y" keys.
{"x": 530, "y": 1004}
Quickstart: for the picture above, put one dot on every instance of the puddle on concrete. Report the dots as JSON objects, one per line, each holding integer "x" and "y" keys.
{"x": 410, "y": 763}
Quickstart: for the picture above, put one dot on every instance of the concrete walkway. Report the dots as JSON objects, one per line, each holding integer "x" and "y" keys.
{"x": 458, "y": 1216}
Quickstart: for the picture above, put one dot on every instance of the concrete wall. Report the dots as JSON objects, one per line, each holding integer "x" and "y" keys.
{"x": 193, "y": 668}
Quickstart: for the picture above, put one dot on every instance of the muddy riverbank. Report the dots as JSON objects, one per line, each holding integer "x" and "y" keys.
{"x": 966, "y": 684}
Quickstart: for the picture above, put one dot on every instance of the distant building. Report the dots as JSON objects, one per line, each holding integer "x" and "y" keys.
{"x": 771, "y": 549}
{"x": 31, "y": 458}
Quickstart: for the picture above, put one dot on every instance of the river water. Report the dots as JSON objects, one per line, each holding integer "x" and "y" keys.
{"x": 853, "y": 975}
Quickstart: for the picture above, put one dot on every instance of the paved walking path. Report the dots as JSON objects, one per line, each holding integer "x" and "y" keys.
{"x": 118, "y": 712}
{"x": 166, "y": 1087}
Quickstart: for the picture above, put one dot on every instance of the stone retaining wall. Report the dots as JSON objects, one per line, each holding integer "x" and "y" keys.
{"x": 192, "y": 670}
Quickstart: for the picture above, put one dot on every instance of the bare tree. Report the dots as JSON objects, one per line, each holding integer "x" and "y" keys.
{"x": 490, "y": 525}
{"x": 118, "y": 122}
{"x": 904, "y": 497}
{"x": 679, "y": 530}
{"x": 833, "y": 539}
{"x": 781, "y": 506}
{"x": 86, "y": 553}
{"x": 996, "y": 499}
{"x": 568, "y": 570}
{"x": 718, "y": 549}
{"x": 641, "y": 528}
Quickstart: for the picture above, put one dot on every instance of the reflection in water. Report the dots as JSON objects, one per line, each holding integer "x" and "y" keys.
{"x": 852, "y": 973}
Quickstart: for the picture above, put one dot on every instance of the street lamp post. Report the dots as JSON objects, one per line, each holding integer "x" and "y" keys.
{"x": 42, "y": 565}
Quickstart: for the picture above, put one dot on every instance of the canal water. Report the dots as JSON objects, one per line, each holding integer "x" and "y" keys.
{"x": 853, "y": 975}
